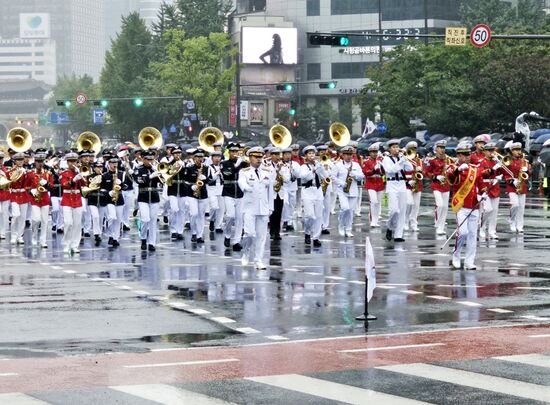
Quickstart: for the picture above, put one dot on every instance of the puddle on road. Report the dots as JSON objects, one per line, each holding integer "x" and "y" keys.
{"x": 187, "y": 338}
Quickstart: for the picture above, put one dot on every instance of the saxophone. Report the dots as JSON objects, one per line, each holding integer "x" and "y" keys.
{"x": 199, "y": 183}
{"x": 41, "y": 189}
{"x": 116, "y": 187}
{"x": 278, "y": 179}
{"x": 349, "y": 179}
{"x": 522, "y": 176}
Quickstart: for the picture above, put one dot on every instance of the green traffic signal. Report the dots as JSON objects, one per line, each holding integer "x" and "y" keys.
{"x": 292, "y": 111}
{"x": 344, "y": 41}
{"x": 67, "y": 103}
{"x": 138, "y": 102}
{"x": 104, "y": 103}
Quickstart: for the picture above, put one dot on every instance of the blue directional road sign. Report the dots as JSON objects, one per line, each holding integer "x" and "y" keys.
{"x": 98, "y": 116}
{"x": 173, "y": 129}
{"x": 186, "y": 122}
{"x": 63, "y": 118}
{"x": 54, "y": 117}
{"x": 381, "y": 127}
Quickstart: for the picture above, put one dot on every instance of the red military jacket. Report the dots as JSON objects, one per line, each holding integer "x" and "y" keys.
{"x": 19, "y": 190}
{"x": 434, "y": 167}
{"x": 409, "y": 175}
{"x": 476, "y": 157}
{"x": 517, "y": 166}
{"x": 43, "y": 199}
{"x": 458, "y": 178}
{"x": 486, "y": 167}
{"x": 373, "y": 177}
{"x": 4, "y": 193}
{"x": 297, "y": 159}
{"x": 71, "y": 189}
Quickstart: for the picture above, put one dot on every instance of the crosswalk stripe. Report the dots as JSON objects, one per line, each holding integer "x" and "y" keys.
{"x": 538, "y": 360}
{"x": 17, "y": 398}
{"x": 331, "y": 390}
{"x": 167, "y": 394}
{"x": 474, "y": 380}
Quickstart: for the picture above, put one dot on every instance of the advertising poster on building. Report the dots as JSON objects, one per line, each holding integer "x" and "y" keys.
{"x": 244, "y": 110}
{"x": 269, "y": 45}
{"x": 232, "y": 111}
{"x": 34, "y": 25}
{"x": 256, "y": 113}
{"x": 282, "y": 106}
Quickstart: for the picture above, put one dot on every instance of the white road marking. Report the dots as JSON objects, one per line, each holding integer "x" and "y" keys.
{"x": 469, "y": 303}
{"x": 363, "y": 283}
{"x": 57, "y": 267}
{"x": 69, "y": 271}
{"x": 198, "y": 311}
{"x": 460, "y": 286}
{"x": 167, "y": 394}
{"x": 533, "y": 288}
{"x": 376, "y": 349}
{"x": 222, "y": 319}
{"x": 138, "y": 292}
{"x": 539, "y": 336}
{"x": 535, "y": 318}
{"x": 8, "y": 374}
{"x": 331, "y": 390}
{"x": 247, "y": 330}
{"x": 438, "y": 297}
{"x": 124, "y": 287}
{"x": 412, "y": 292}
{"x": 538, "y": 360}
{"x": 182, "y": 363}
{"x": 500, "y": 310}
{"x": 176, "y": 305}
{"x": 276, "y": 337}
{"x": 474, "y": 380}
{"x": 17, "y": 398}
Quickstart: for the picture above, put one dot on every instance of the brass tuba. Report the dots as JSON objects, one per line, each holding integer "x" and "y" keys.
{"x": 208, "y": 137}
{"x": 339, "y": 134}
{"x": 88, "y": 140}
{"x": 19, "y": 139}
{"x": 280, "y": 136}
{"x": 149, "y": 137}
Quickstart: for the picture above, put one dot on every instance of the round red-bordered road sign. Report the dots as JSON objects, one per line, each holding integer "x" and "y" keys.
{"x": 81, "y": 98}
{"x": 480, "y": 35}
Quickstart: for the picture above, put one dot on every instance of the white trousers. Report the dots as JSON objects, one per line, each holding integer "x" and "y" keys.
{"x": 467, "y": 234}
{"x": 359, "y": 199}
{"x": 197, "y": 209}
{"x": 40, "y": 219}
{"x": 289, "y": 206}
{"x": 178, "y": 208}
{"x": 233, "y": 219}
{"x": 114, "y": 220}
{"x": 73, "y": 226}
{"x": 517, "y": 211}
{"x": 148, "y": 213}
{"x": 489, "y": 215}
{"x": 217, "y": 209}
{"x": 86, "y": 217}
{"x": 413, "y": 207}
{"x": 255, "y": 234}
{"x": 129, "y": 204}
{"x": 347, "y": 208}
{"x": 327, "y": 201}
{"x": 18, "y": 218}
{"x": 397, "y": 206}
{"x": 313, "y": 217}
{"x": 298, "y": 208}
{"x": 441, "y": 208}
{"x": 4, "y": 216}
{"x": 57, "y": 212}
{"x": 375, "y": 202}
{"x": 96, "y": 214}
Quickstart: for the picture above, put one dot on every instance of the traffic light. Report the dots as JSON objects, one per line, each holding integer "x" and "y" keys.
{"x": 327, "y": 85}
{"x": 329, "y": 39}
{"x": 292, "y": 110}
{"x": 102, "y": 103}
{"x": 64, "y": 103}
{"x": 284, "y": 87}
{"x": 190, "y": 129}
{"x": 295, "y": 124}
{"x": 138, "y": 102}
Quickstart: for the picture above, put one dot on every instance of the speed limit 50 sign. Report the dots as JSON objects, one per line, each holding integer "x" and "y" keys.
{"x": 480, "y": 35}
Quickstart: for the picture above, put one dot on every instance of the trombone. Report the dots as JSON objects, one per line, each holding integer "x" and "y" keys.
{"x": 505, "y": 160}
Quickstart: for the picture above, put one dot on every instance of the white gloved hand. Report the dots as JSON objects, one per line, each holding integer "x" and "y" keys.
{"x": 516, "y": 182}
{"x": 499, "y": 177}
{"x": 238, "y": 162}
{"x": 524, "y": 169}
{"x": 440, "y": 178}
{"x": 480, "y": 198}
{"x": 43, "y": 182}
{"x": 111, "y": 193}
{"x": 202, "y": 177}
{"x": 411, "y": 183}
{"x": 77, "y": 177}
{"x": 118, "y": 182}
{"x": 34, "y": 192}
{"x": 377, "y": 166}
{"x": 418, "y": 168}
{"x": 194, "y": 187}
{"x": 154, "y": 175}
{"x": 497, "y": 166}
{"x": 463, "y": 167}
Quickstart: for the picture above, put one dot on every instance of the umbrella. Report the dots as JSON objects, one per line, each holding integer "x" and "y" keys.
{"x": 405, "y": 140}
{"x": 544, "y": 155}
{"x": 543, "y": 138}
{"x": 539, "y": 132}
{"x": 437, "y": 137}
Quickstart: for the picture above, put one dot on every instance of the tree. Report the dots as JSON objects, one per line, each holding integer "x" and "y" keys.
{"x": 80, "y": 117}
{"x": 202, "y": 17}
{"x": 125, "y": 75}
{"x": 195, "y": 68}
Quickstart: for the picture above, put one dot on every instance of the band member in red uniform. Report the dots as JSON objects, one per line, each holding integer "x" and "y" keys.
{"x": 71, "y": 202}
{"x": 478, "y": 155}
{"x": 491, "y": 168}
{"x": 4, "y": 201}
{"x": 374, "y": 183}
{"x": 19, "y": 198}
{"x": 516, "y": 187}
{"x": 435, "y": 170}
{"x": 414, "y": 187}
{"x": 468, "y": 187}
{"x": 40, "y": 183}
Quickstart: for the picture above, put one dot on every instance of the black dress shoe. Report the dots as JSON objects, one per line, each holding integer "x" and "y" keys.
{"x": 165, "y": 219}
{"x": 60, "y": 231}
{"x": 399, "y": 240}
{"x": 115, "y": 243}
{"x": 389, "y": 234}
{"x": 54, "y": 228}
{"x": 110, "y": 241}
{"x": 187, "y": 227}
{"x": 325, "y": 232}
{"x": 200, "y": 240}
{"x": 219, "y": 230}
{"x": 134, "y": 214}
{"x": 97, "y": 238}
{"x": 211, "y": 226}
{"x": 316, "y": 243}
{"x": 194, "y": 238}
{"x": 86, "y": 235}
{"x": 226, "y": 242}
{"x": 289, "y": 228}
{"x": 174, "y": 236}
{"x": 237, "y": 247}
{"x": 125, "y": 228}
{"x": 151, "y": 248}
{"x": 27, "y": 224}
{"x": 144, "y": 244}
{"x": 276, "y": 237}
{"x": 308, "y": 240}
{"x": 180, "y": 236}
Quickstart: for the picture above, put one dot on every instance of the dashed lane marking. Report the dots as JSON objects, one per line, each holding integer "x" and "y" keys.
{"x": 438, "y": 297}
{"x": 198, "y": 311}
{"x": 8, "y": 374}
{"x": 470, "y": 304}
{"x": 182, "y": 363}
{"x": 247, "y": 331}
{"x": 500, "y": 310}
{"x": 222, "y": 319}
{"x": 17, "y": 398}
{"x": 276, "y": 337}
{"x": 375, "y": 349}
{"x": 539, "y": 336}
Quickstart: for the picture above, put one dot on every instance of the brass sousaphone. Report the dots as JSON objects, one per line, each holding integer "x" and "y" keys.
{"x": 280, "y": 136}
{"x": 88, "y": 140}
{"x": 150, "y": 137}
{"x": 208, "y": 137}
{"x": 19, "y": 139}
{"x": 339, "y": 134}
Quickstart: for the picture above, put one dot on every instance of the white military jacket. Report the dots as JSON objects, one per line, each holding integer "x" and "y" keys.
{"x": 257, "y": 187}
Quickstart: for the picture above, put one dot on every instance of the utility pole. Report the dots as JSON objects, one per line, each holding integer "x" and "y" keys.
{"x": 380, "y": 30}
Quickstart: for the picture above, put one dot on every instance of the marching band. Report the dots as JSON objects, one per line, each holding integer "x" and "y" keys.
{"x": 245, "y": 193}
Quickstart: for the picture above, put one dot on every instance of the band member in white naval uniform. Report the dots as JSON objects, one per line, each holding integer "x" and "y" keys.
{"x": 312, "y": 174}
{"x": 256, "y": 182}
{"x": 327, "y": 196}
{"x": 215, "y": 188}
{"x": 289, "y": 205}
{"x": 395, "y": 165}
{"x": 278, "y": 196}
{"x": 347, "y": 172}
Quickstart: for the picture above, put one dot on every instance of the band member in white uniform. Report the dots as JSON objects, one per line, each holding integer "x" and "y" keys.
{"x": 395, "y": 165}
{"x": 289, "y": 205}
{"x": 282, "y": 179}
{"x": 346, "y": 175}
{"x": 215, "y": 188}
{"x": 256, "y": 182}
{"x": 327, "y": 189}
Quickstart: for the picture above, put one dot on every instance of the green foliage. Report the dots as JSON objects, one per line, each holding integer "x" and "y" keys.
{"x": 66, "y": 88}
{"x": 202, "y": 17}
{"x": 195, "y": 68}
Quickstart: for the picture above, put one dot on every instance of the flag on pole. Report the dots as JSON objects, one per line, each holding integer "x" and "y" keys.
{"x": 370, "y": 271}
{"x": 370, "y": 127}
